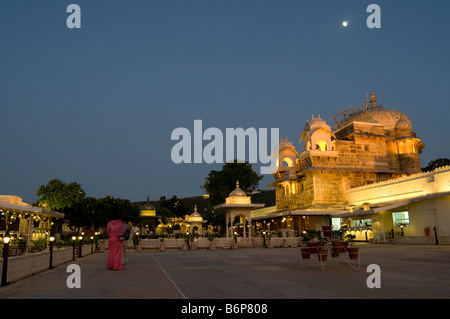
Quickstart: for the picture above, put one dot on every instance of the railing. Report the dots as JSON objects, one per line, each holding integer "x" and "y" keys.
{"x": 26, "y": 265}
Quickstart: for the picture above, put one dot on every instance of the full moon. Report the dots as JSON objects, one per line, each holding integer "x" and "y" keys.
{"x": 345, "y": 23}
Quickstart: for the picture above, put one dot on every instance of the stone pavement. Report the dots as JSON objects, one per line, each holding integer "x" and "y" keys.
{"x": 247, "y": 273}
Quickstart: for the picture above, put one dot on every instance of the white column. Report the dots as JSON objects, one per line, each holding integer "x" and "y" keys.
{"x": 227, "y": 219}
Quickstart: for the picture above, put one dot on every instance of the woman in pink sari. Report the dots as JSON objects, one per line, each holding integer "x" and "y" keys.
{"x": 115, "y": 229}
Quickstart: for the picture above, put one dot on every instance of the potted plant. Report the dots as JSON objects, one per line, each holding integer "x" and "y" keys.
{"x": 326, "y": 230}
{"x": 22, "y": 245}
{"x": 269, "y": 242}
{"x": 352, "y": 251}
{"x": 337, "y": 242}
{"x": 322, "y": 250}
{"x": 101, "y": 245}
{"x": 211, "y": 242}
{"x": 38, "y": 245}
{"x": 186, "y": 243}
{"x": 309, "y": 247}
{"x": 162, "y": 245}
{"x": 305, "y": 251}
{"x": 322, "y": 253}
{"x": 234, "y": 244}
{"x": 192, "y": 245}
{"x": 308, "y": 238}
{"x": 13, "y": 246}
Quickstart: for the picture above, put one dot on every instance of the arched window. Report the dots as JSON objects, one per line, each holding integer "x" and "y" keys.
{"x": 287, "y": 189}
{"x": 409, "y": 147}
{"x": 288, "y": 162}
{"x": 401, "y": 148}
{"x": 322, "y": 146}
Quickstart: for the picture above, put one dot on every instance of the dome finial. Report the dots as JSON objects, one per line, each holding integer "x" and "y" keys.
{"x": 373, "y": 100}
{"x": 237, "y": 184}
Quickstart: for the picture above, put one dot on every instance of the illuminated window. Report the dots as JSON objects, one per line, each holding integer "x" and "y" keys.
{"x": 401, "y": 148}
{"x": 322, "y": 145}
{"x": 361, "y": 223}
{"x": 400, "y": 219}
{"x": 288, "y": 162}
{"x": 287, "y": 189}
{"x": 409, "y": 147}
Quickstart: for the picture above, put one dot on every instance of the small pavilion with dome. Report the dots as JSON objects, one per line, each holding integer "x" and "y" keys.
{"x": 195, "y": 222}
{"x": 238, "y": 204}
{"x": 147, "y": 218}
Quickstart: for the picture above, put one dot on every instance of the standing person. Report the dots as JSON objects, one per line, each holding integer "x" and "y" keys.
{"x": 126, "y": 236}
{"x": 115, "y": 230}
{"x": 135, "y": 230}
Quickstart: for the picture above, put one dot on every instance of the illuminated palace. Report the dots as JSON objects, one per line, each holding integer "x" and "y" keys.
{"x": 364, "y": 175}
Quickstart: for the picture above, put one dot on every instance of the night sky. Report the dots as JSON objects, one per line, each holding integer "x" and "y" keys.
{"x": 97, "y": 105}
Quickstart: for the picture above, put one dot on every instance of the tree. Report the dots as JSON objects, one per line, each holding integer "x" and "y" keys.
{"x": 81, "y": 211}
{"x": 171, "y": 208}
{"x": 62, "y": 197}
{"x": 435, "y": 164}
{"x": 219, "y": 184}
{"x": 81, "y": 214}
{"x": 110, "y": 207}
{"x": 57, "y": 195}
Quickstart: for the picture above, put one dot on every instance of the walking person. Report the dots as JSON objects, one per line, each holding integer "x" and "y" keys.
{"x": 115, "y": 229}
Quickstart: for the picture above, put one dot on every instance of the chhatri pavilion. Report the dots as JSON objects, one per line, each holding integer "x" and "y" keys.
{"x": 238, "y": 204}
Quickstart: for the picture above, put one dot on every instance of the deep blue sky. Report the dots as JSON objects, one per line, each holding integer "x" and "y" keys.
{"x": 97, "y": 105}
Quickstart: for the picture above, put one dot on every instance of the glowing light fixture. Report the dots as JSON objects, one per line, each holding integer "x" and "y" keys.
{"x": 6, "y": 237}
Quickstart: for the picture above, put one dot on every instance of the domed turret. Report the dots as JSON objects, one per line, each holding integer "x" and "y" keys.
{"x": 238, "y": 191}
{"x": 403, "y": 126}
{"x": 317, "y": 135}
{"x": 148, "y": 205}
{"x": 390, "y": 120}
{"x": 195, "y": 216}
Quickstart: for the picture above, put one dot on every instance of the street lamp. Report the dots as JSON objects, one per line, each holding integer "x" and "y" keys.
{"x": 81, "y": 244}
{"x": 436, "y": 236}
{"x": 52, "y": 239}
{"x": 6, "y": 239}
{"x": 73, "y": 242}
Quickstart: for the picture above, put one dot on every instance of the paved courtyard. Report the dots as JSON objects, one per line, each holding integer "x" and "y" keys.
{"x": 248, "y": 273}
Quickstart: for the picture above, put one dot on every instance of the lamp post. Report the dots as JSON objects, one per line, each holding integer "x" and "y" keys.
{"x": 92, "y": 244}
{"x": 51, "y": 239}
{"x": 6, "y": 239}
{"x": 81, "y": 245}
{"x": 436, "y": 236}
{"x": 73, "y": 242}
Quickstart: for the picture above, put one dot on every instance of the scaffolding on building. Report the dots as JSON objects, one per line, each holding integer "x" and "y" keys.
{"x": 341, "y": 118}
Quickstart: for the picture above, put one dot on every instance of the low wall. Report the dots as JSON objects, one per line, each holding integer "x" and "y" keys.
{"x": 203, "y": 243}
{"x": 176, "y": 244}
{"x": 421, "y": 240}
{"x": 26, "y": 265}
